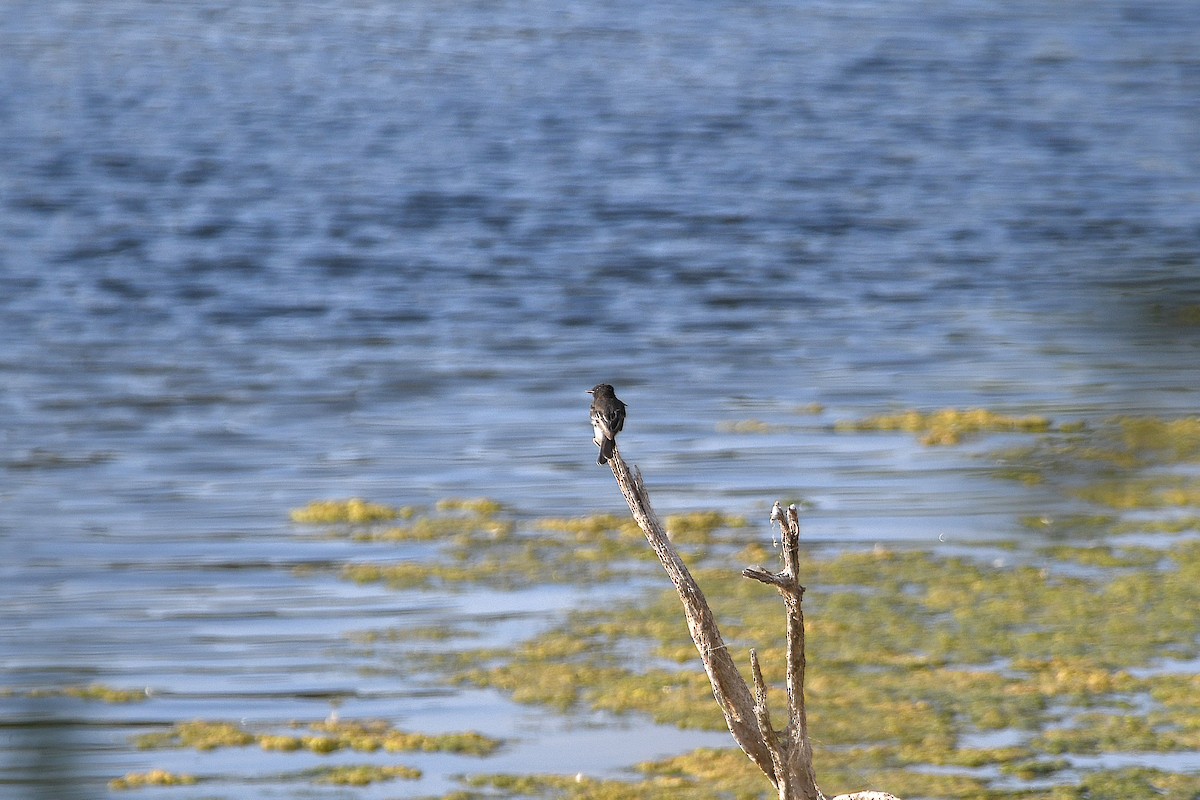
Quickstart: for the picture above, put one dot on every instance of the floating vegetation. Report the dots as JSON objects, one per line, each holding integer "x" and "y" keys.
{"x": 198, "y": 734}
{"x": 360, "y": 520}
{"x": 1135, "y": 782}
{"x": 1117, "y": 444}
{"x": 378, "y": 735}
{"x": 701, "y": 526}
{"x": 321, "y": 738}
{"x": 95, "y": 692}
{"x": 653, "y": 786}
{"x": 749, "y": 426}
{"x": 724, "y": 774}
{"x": 157, "y": 777}
{"x": 1057, "y": 650}
{"x": 1070, "y": 526}
{"x": 954, "y": 647}
{"x": 758, "y": 426}
{"x": 480, "y": 506}
{"x": 948, "y": 426}
{"x": 1123, "y": 464}
{"x": 1103, "y": 556}
{"x": 364, "y": 775}
{"x": 354, "y": 511}
{"x": 1148, "y": 492}
{"x": 1097, "y": 732}
{"x": 487, "y": 548}
{"x": 1187, "y": 315}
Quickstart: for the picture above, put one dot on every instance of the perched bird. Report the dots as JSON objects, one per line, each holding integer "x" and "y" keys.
{"x": 608, "y": 418}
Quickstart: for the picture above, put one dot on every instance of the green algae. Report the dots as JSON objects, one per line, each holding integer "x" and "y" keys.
{"x": 1096, "y": 732}
{"x": 92, "y": 692}
{"x": 157, "y": 777}
{"x": 364, "y": 775}
{"x": 1110, "y": 464}
{"x": 486, "y": 547}
{"x": 344, "y": 775}
{"x": 354, "y": 511}
{"x": 1142, "y": 492}
{"x": 948, "y": 426}
{"x": 479, "y": 506}
{"x": 727, "y": 775}
{"x": 1130, "y": 784}
{"x": 653, "y": 786}
{"x": 1104, "y": 556}
{"x": 749, "y": 426}
{"x": 105, "y": 694}
{"x": 908, "y": 652}
{"x": 197, "y": 734}
{"x": 709, "y": 774}
{"x": 318, "y": 737}
{"x": 378, "y": 735}
{"x": 1124, "y": 463}
{"x": 1070, "y": 526}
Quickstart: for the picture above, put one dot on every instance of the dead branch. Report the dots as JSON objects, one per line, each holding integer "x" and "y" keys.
{"x": 729, "y": 688}
{"x": 785, "y": 758}
{"x": 796, "y": 746}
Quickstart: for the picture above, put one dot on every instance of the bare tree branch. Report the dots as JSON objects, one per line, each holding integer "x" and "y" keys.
{"x": 729, "y": 687}
{"x": 777, "y": 748}
{"x": 799, "y": 748}
{"x": 787, "y": 759}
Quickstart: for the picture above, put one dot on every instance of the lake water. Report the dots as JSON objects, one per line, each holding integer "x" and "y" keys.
{"x": 257, "y": 254}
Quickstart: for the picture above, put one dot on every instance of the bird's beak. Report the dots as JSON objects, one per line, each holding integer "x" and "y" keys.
{"x": 589, "y": 391}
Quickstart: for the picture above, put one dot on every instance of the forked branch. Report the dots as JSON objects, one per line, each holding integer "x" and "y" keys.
{"x": 784, "y": 757}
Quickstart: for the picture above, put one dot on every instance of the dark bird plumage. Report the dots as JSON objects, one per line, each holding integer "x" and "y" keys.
{"x": 608, "y": 418}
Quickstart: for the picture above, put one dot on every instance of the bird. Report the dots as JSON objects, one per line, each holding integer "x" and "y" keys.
{"x": 608, "y": 418}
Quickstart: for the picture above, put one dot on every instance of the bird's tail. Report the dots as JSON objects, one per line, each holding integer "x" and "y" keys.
{"x": 606, "y": 450}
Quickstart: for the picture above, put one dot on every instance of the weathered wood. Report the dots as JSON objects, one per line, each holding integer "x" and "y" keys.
{"x": 729, "y": 687}
{"x": 798, "y": 748}
{"x": 777, "y": 747}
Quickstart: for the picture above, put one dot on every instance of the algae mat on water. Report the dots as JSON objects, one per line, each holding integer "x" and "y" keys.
{"x": 1045, "y": 673}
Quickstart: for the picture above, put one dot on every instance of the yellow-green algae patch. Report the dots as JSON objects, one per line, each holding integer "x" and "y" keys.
{"x": 1123, "y": 463}
{"x": 197, "y": 734}
{"x": 749, "y": 426}
{"x": 1129, "y": 784}
{"x": 708, "y": 774}
{"x": 728, "y": 775}
{"x": 1144, "y": 492}
{"x": 1105, "y": 556}
{"x": 354, "y": 511}
{"x": 1100, "y": 732}
{"x": 364, "y": 774}
{"x": 908, "y": 653}
{"x": 95, "y": 692}
{"x": 480, "y": 543}
{"x": 948, "y": 426}
{"x": 157, "y": 777}
{"x": 320, "y": 737}
{"x": 480, "y": 506}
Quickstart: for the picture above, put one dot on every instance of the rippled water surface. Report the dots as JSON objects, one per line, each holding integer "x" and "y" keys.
{"x": 256, "y": 254}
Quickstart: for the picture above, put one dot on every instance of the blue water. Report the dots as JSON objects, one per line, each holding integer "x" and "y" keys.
{"x": 256, "y": 254}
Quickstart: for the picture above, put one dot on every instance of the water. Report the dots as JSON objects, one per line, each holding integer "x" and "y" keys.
{"x": 261, "y": 253}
